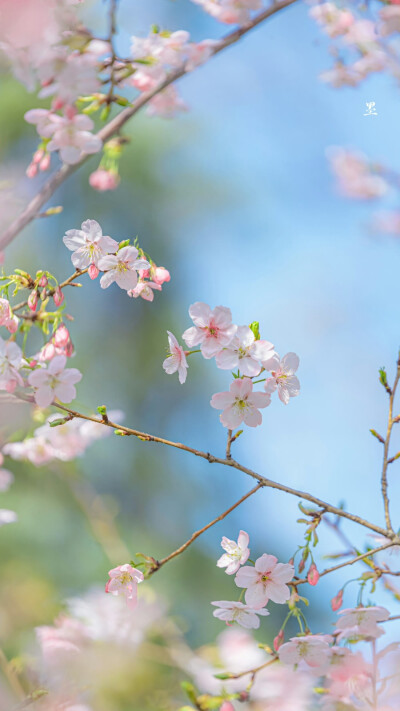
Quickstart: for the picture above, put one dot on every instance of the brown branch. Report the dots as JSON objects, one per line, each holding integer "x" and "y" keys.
{"x": 159, "y": 563}
{"x": 212, "y": 459}
{"x": 384, "y": 483}
{"x": 50, "y": 292}
{"x": 362, "y": 556}
{"x": 114, "y": 126}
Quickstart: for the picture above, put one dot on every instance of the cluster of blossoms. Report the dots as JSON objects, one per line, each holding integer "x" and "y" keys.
{"x": 231, "y": 12}
{"x": 121, "y": 262}
{"x": 263, "y": 581}
{"x": 64, "y": 441}
{"x": 356, "y": 176}
{"x": 364, "y": 40}
{"x": 235, "y": 347}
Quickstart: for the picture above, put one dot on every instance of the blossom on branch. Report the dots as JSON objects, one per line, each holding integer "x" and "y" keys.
{"x": 244, "y": 353}
{"x": 176, "y": 361}
{"x": 240, "y": 404}
{"x": 265, "y": 581}
{"x": 236, "y": 554}
{"x": 124, "y": 581}
{"x": 283, "y": 376}
{"x": 238, "y": 612}
{"x": 88, "y": 244}
{"x": 361, "y": 622}
{"x": 212, "y": 330}
{"x": 11, "y": 362}
{"x": 122, "y": 268}
{"x": 311, "y": 650}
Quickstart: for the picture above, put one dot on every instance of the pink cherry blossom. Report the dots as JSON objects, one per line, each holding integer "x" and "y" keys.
{"x": 236, "y": 554}
{"x": 36, "y": 450}
{"x": 145, "y": 289}
{"x": 6, "y": 317}
{"x": 122, "y": 268}
{"x": 283, "y": 376}
{"x": 390, "y": 16}
{"x": 361, "y": 622}
{"x": 166, "y": 104}
{"x": 71, "y": 136}
{"x": 102, "y": 180}
{"x": 11, "y": 362}
{"x": 238, "y": 612}
{"x": 88, "y": 244}
{"x": 54, "y": 381}
{"x": 333, "y": 19}
{"x": 311, "y": 650}
{"x": 244, "y": 353}
{"x": 240, "y": 404}
{"x": 212, "y": 330}
{"x": 124, "y": 581}
{"x": 76, "y": 75}
{"x": 349, "y": 676}
{"x": 230, "y": 11}
{"x": 176, "y": 361}
{"x": 265, "y": 581}
{"x": 355, "y": 178}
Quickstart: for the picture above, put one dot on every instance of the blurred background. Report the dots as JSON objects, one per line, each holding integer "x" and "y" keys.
{"x": 236, "y": 199}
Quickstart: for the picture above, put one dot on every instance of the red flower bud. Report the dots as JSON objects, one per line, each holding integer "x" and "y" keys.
{"x": 32, "y": 300}
{"x": 58, "y": 296}
{"x": 93, "y": 271}
{"x": 337, "y": 601}
{"x": 279, "y": 639}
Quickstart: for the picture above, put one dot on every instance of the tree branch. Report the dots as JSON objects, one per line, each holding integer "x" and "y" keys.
{"x": 384, "y": 484}
{"x": 114, "y": 126}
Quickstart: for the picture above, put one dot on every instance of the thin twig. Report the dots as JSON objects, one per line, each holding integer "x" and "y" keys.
{"x": 114, "y": 126}
{"x": 182, "y": 548}
{"x": 362, "y": 556}
{"x": 50, "y": 292}
{"x": 384, "y": 483}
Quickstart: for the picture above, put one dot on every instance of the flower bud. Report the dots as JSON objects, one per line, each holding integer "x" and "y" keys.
{"x": 12, "y": 324}
{"x": 226, "y": 706}
{"x": 103, "y": 180}
{"x": 45, "y": 162}
{"x": 337, "y": 601}
{"x": 279, "y": 640}
{"x": 43, "y": 280}
{"x": 313, "y": 574}
{"x": 61, "y": 336}
{"x": 58, "y": 296}
{"x": 93, "y": 271}
{"x": 33, "y": 300}
{"x": 160, "y": 275}
{"x": 31, "y": 170}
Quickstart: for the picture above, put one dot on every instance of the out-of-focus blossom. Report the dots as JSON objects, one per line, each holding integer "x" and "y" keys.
{"x": 236, "y": 553}
{"x": 240, "y": 404}
{"x": 176, "y": 360}
{"x": 231, "y": 12}
{"x": 7, "y": 516}
{"x": 361, "y": 622}
{"x": 102, "y": 180}
{"x": 6, "y": 318}
{"x": 355, "y": 177}
{"x": 11, "y": 362}
{"x": 166, "y": 104}
{"x": 265, "y": 581}
{"x": 390, "y": 16}
{"x": 238, "y": 612}
{"x": 71, "y": 136}
{"x": 54, "y": 381}
{"x": 145, "y": 289}
{"x": 311, "y": 650}
{"x": 334, "y": 20}
{"x": 283, "y": 376}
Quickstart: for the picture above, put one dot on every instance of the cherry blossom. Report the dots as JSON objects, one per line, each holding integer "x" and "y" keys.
{"x": 236, "y": 554}
{"x": 122, "y": 268}
{"x": 265, "y": 581}
{"x": 240, "y": 404}
{"x": 361, "y": 622}
{"x": 102, "y": 180}
{"x": 88, "y": 244}
{"x": 212, "y": 330}
{"x": 230, "y": 11}
{"x": 349, "y": 676}
{"x": 333, "y": 19}
{"x": 11, "y": 362}
{"x": 76, "y": 75}
{"x": 6, "y": 317}
{"x": 311, "y": 650}
{"x": 6, "y": 477}
{"x": 70, "y": 136}
{"x": 176, "y": 362}
{"x": 238, "y": 612}
{"x": 54, "y": 381}
{"x": 36, "y": 450}
{"x": 244, "y": 353}
{"x": 160, "y": 274}
{"x": 124, "y": 581}
{"x": 283, "y": 376}
{"x": 145, "y": 289}
{"x": 354, "y": 175}
{"x": 166, "y": 103}
{"x": 390, "y": 16}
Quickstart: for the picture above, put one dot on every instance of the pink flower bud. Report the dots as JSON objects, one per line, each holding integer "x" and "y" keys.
{"x": 160, "y": 275}
{"x": 37, "y": 157}
{"x": 337, "y": 601}
{"x": 93, "y": 271}
{"x": 103, "y": 180}
{"x": 45, "y": 162}
{"x": 61, "y": 336}
{"x": 313, "y": 574}
{"x": 69, "y": 349}
{"x": 43, "y": 280}
{"x": 31, "y": 170}
{"x": 48, "y": 351}
{"x": 58, "y": 296}
{"x": 301, "y": 565}
{"x": 33, "y": 300}
{"x": 144, "y": 273}
{"x": 279, "y": 640}
{"x": 226, "y": 706}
